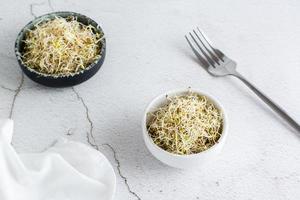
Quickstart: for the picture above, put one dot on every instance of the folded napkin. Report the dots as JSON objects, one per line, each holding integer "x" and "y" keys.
{"x": 66, "y": 171}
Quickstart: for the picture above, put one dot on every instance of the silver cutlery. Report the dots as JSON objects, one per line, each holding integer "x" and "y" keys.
{"x": 218, "y": 64}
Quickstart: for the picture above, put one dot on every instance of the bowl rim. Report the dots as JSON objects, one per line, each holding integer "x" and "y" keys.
{"x": 43, "y": 18}
{"x": 171, "y": 93}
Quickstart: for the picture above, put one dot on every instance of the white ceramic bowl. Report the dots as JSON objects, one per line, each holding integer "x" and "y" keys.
{"x": 183, "y": 161}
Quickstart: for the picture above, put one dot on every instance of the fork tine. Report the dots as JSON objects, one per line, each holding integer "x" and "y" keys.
{"x": 216, "y": 59}
{"x": 202, "y": 60}
{"x": 216, "y": 51}
{"x": 209, "y": 60}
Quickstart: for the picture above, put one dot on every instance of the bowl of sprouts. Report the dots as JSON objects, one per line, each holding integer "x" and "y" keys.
{"x": 60, "y": 49}
{"x": 184, "y": 128}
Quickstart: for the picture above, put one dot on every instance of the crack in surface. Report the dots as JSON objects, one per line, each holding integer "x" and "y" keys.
{"x": 50, "y": 145}
{"x": 69, "y": 132}
{"x": 120, "y": 172}
{"x": 93, "y": 143}
{"x": 50, "y": 5}
{"x": 32, "y": 5}
{"x": 90, "y": 136}
{"x": 7, "y": 56}
{"x": 6, "y": 88}
{"x": 17, "y": 92}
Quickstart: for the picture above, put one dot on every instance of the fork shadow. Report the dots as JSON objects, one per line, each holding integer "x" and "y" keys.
{"x": 187, "y": 52}
{"x": 261, "y": 105}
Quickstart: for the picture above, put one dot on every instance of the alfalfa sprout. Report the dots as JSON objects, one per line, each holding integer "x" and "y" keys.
{"x": 186, "y": 124}
{"x": 61, "y": 46}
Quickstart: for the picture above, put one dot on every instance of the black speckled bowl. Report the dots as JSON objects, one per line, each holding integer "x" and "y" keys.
{"x": 59, "y": 80}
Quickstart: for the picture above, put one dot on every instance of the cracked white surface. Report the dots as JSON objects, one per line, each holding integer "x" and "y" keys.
{"x": 147, "y": 55}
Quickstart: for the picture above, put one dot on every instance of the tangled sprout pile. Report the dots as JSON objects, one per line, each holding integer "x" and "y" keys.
{"x": 61, "y": 46}
{"x": 187, "y": 124}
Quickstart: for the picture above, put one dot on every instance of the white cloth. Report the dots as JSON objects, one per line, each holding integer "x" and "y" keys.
{"x": 66, "y": 171}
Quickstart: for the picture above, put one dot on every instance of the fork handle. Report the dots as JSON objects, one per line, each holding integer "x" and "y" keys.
{"x": 282, "y": 113}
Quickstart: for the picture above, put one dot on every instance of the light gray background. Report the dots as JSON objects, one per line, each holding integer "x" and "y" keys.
{"x": 147, "y": 55}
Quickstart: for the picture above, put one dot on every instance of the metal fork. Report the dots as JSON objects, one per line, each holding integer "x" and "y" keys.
{"x": 217, "y": 64}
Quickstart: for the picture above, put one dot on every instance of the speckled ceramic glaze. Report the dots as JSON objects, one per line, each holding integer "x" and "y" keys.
{"x": 59, "y": 80}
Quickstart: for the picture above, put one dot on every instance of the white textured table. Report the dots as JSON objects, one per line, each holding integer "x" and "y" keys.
{"x": 147, "y": 55}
